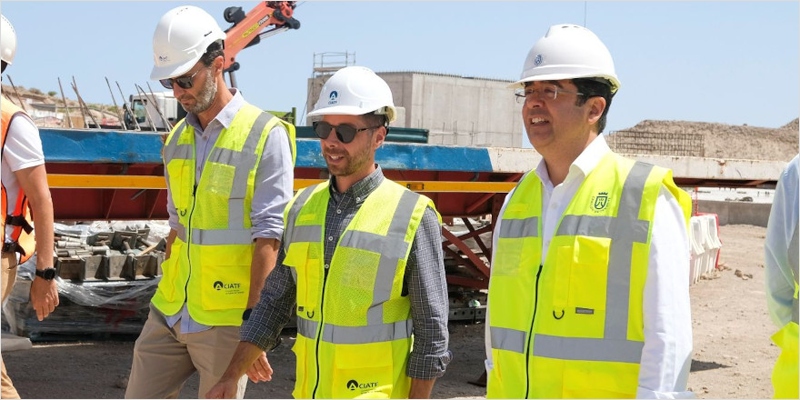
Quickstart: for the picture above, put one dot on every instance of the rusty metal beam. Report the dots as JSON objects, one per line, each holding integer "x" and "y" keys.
{"x": 467, "y": 282}
{"x": 467, "y": 251}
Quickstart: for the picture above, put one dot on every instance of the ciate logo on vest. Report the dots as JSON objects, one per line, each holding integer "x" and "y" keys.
{"x": 229, "y": 288}
{"x": 353, "y": 385}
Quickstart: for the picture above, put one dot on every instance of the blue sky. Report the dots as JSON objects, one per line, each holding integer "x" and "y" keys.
{"x": 727, "y": 62}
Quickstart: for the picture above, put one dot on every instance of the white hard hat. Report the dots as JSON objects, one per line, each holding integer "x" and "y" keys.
{"x": 568, "y": 52}
{"x": 355, "y": 91}
{"x": 181, "y": 38}
{"x": 8, "y": 41}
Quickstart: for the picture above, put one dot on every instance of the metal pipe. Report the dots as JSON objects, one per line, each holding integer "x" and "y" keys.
{"x": 127, "y": 107}
{"x": 146, "y": 112}
{"x": 66, "y": 107}
{"x": 116, "y": 107}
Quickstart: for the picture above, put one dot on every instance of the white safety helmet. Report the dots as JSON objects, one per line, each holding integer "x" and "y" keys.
{"x": 355, "y": 91}
{"x": 181, "y": 38}
{"x": 8, "y": 42}
{"x": 568, "y": 52}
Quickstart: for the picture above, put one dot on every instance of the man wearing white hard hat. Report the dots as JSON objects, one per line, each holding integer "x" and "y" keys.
{"x": 360, "y": 267}
{"x": 229, "y": 168}
{"x": 589, "y": 288}
{"x": 25, "y": 190}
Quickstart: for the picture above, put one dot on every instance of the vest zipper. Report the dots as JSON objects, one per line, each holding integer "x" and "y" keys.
{"x": 319, "y": 333}
{"x": 188, "y": 246}
{"x": 530, "y": 336}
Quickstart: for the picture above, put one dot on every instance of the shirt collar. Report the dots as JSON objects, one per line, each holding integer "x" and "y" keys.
{"x": 225, "y": 116}
{"x": 582, "y": 166}
{"x": 361, "y": 189}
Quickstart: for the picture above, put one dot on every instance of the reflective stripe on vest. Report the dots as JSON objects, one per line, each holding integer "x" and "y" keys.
{"x": 794, "y": 249}
{"x": 338, "y": 334}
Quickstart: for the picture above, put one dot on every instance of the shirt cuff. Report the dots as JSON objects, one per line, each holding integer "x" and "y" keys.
{"x": 427, "y": 367}
{"x": 642, "y": 393}
{"x": 29, "y": 164}
{"x": 269, "y": 233}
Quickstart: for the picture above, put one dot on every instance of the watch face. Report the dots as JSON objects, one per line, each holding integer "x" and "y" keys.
{"x": 47, "y": 273}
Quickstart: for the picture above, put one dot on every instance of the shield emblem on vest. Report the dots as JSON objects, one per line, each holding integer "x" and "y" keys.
{"x": 601, "y": 201}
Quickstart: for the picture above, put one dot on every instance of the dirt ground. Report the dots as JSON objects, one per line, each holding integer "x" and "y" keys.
{"x": 733, "y": 355}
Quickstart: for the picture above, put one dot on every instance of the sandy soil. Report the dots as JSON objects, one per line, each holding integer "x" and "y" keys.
{"x": 733, "y": 355}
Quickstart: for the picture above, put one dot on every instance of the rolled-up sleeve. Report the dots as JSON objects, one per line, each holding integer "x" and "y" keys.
{"x": 171, "y": 210}
{"x": 273, "y": 186}
{"x": 274, "y": 308}
{"x": 429, "y": 302}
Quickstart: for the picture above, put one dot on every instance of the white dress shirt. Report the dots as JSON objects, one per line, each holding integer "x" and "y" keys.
{"x": 780, "y": 229}
{"x": 666, "y": 356}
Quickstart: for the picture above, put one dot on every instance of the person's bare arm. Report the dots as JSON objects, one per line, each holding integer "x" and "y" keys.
{"x": 421, "y": 388}
{"x": 33, "y": 181}
{"x": 264, "y": 257}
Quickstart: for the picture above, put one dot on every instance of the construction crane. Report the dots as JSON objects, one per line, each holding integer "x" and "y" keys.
{"x": 246, "y": 28}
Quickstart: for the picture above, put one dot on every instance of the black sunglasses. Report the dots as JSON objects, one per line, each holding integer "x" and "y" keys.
{"x": 185, "y": 82}
{"x": 345, "y": 133}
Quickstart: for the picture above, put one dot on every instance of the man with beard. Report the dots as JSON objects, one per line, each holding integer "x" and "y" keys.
{"x": 361, "y": 259}
{"x": 229, "y": 171}
{"x": 589, "y": 290}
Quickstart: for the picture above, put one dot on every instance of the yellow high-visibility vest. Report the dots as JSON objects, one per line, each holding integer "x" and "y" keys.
{"x": 354, "y": 327}
{"x": 786, "y": 373}
{"x": 209, "y": 264}
{"x": 573, "y": 327}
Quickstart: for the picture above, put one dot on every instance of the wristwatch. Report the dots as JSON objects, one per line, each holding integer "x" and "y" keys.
{"x": 47, "y": 274}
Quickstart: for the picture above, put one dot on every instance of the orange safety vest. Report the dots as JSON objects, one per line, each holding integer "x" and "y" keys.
{"x": 20, "y": 219}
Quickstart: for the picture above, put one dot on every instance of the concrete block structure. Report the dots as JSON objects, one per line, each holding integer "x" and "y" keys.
{"x": 459, "y": 111}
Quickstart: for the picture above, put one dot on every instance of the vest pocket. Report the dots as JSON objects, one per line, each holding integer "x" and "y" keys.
{"x": 303, "y": 258}
{"x": 301, "y": 369}
{"x": 225, "y": 286}
{"x": 170, "y": 270}
{"x": 589, "y": 274}
{"x": 507, "y": 257}
{"x": 362, "y": 368}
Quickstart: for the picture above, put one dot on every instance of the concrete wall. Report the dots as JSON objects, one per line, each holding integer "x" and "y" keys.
{"x": 459, "y": 111}
{"x": 737, "y": 212}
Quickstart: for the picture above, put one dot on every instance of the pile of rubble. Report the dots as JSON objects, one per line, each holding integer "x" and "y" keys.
{"x": 109, "y": 255}
{"x": 705, "y": 139}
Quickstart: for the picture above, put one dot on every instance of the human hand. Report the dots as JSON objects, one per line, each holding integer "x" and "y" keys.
{"x": 44, "y": 297}
{"x": 224, "y": 389}
{"x": 260, "y": 370}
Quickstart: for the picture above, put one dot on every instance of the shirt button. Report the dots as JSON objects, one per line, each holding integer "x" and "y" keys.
{"x": 358, "y": 198}
{"x": 327, "y": 266}
{"x": 330, "y": 238}
{"x": 338, "y": 211}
